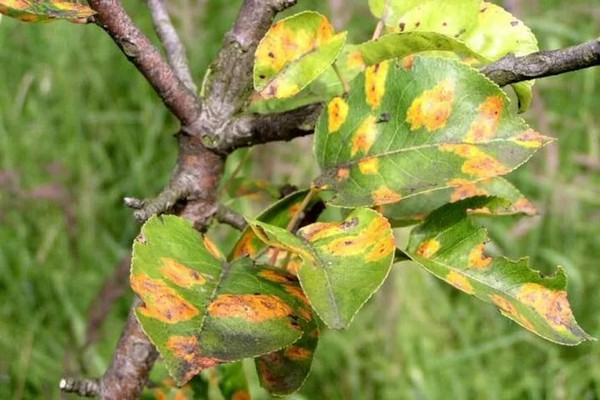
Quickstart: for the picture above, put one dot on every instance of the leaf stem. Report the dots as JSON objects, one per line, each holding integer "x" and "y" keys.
{"x": 378, "y": 29}
{"x": 341, "y": 78}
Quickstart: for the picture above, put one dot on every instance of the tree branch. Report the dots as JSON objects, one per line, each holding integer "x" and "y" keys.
{"x": 170, "y": 39}
{"x": 111, "y": 16}
{"x": 231, "y": 218}
{"x": 511, "y": 69}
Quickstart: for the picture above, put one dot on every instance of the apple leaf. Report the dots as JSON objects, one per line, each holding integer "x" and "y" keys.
{"x": 45, "y": 10}
{"x": 200, "y": 310}
{"x": 451, "y": 247}
{"x": 402, "y": 133}
{"x": 343, "y": 263}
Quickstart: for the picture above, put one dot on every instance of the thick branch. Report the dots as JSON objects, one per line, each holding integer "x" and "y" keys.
{"x": 230, "y": 81}
{"x": 171, "y": 42}
{"x": 139, "y": 50}
{"x": 511, "y": 69}
{"x": 231, "y": 218}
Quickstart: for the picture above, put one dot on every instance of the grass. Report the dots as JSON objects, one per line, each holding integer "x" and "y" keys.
{"x": 79, "y": 130}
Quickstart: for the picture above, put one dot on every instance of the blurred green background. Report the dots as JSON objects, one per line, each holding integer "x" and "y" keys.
{"x": 80, "y": 129}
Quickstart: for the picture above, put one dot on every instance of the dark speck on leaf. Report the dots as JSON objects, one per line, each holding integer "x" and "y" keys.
{"x": 444, "y": 23}
{"x": 483, "y": 9}
{"x": 271, "y": 54}
{"x": 262, "y": 76}
{"x": 351, "y": 223}
{"x": 401, "y": 25}
{"x": 514, "y": 23}
{"x": 384, "y": 117}
{"x": 417, "y": 24}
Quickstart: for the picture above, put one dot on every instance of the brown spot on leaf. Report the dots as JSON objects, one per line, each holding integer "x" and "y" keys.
{"x": 433, "y": 107}
{"x": 384, "y": 195}
{"x": 160, "y": 301}
{"x": 530, "y": 139}
{"x": 342, "y": 174}
{"x": 186, "y": 349}
{"x": 296, "y": 353}
{"x": 180, "y": 274}
{"x": 241, "y": 395}
{"x": 252, "y": 308}
{"x": 245, "y": 246}
{"x": 552, "y": 305}
{"x": 511, "y": 311}
{"x": 464, "y": 189}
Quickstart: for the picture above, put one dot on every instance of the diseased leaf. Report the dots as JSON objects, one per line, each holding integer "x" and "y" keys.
{"x": 200, "y": 310}
{"x": 45, "y": 10}
{"x": 415, "y": 209}
{"x": 450, "y": 17}
{"x": 343, "y": 264}
{"x": 279, "y": 214}
{"x": 284, "y": 371}
{"x": 232, "y": 381}
{"x": 402, "y": 133}
{"x": 293, "y": 53}
{"x": 165, "y": 388}
{"x": 449, "y": 246}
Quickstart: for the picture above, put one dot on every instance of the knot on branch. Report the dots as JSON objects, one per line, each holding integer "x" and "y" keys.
{"x": 81, "y": 387}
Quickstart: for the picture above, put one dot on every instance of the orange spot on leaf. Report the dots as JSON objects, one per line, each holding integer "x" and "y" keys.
{"x": 511, "y": 311}
{"x": 428, "y": 248}
{"x": 486, "y": 123}
{"x": 356, "y": 60}
{"x": 432, "y": 108}
{"x": 241, "y": 395}
{"x": 375, "y": 77}
{"x": 186, "y": 349}
{"x": 477, "y": 162}
{"x": 212, "y": 248}
{"x": 342, "y": 174}
{"x": 552, "y": 305}
{"x": 337, "y": 111}
{"x": 245, "y": 246}
{"x": 384, "y": 195}
{"x": 320, "y": 230}
{"x": 365, "y": 135}
{"x": 477, "y": 259}
{"x": 297, "y": 353}
{"x": 464, "y": 189}
{"x": 180, "y": 274}
{"x": 160, "y": 301}
{"x": 273, "y": 276}
{"x": 250, "y": 307}
{"x": 460, "y": 282}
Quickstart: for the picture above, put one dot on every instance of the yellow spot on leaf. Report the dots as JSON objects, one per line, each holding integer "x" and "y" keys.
{"x": 375, "y": 77}
{"x": 477, "y": 259}
{"x": 337, "y": 111}
{"x": 212, "y": 248}
{"x": 273, "y": 276}
{"x": 428, "y": 248}
{"x": 477, "y": 163}
{"x": 250, "y": 307}
{"x": 320, "y": 230}
{"x": 464, "y": 189}
{"x": 552, "y": 305}
{"x": 511, "y": 311}
{"x": 384, "y": 195}
{"x": 365, "y": 135}
{"x": 530, "y": 139}
{"x": 460, "y": 282}
{"x": 369, "y": 166}
{"x": 432, "y": 108}
{"x": 180, "y": 274}
{"x": 297, "y": 353}
{"x": 245, "y": 246}
{"x": 160, "y": 301}
{"x": 375, "y": 240}
{"x": 356, "y": 60}
{"x": 486, "y": 123}
{"x": 407, "y": 62}
{"x": 188, "y": 352}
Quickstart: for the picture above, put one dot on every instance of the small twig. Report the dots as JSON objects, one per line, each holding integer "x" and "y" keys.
{"x": 228, "y": 216}
{"x": 345, "y": 84}
{"x": 81, "y": 387}
{"x": 378, "y": 29}
{"x": 160, "y": 204}
{"x": 173, "y": 46}
{"x": 511, "y": 69}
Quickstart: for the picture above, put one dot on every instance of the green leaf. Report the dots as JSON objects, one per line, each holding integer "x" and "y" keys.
{"x": 41, "y": 11}
{"x": 232, "y": 381}
{"x": 343, "y": 264}
{"x": 284, "y": 371}
{"x": 293, "y": 53}
{"x": 402, "y": 133}
{"x": 415, "y": 209}
{"x": 200, "y": 310}
{"x": 391, "y": 10}
{"x": 450, "y": 17}
{"x": 449, "y": 246}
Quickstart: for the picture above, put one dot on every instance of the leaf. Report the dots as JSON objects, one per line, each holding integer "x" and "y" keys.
{"x": 41, "y": 11}
{"x": 402, "y": 133}
{"x": 415, "y": 209}
{"x": 391, "y": 10}
{"x": 200, "y": 310}
{"x": 343, "y": 264}
{"x": 449, "y": 246}
{"x": 449, "y": 17}
{"x": 232, "y": 381}
{"x": 279, "y": 214}
{"x": 165, "y": 388}
{"x": 284, "y": 371}
{"x": 293, "y": 53}
{"x": 249, "y": 187}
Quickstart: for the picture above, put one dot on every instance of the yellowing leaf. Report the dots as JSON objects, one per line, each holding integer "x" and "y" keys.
{"x": 41, "y": 11}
